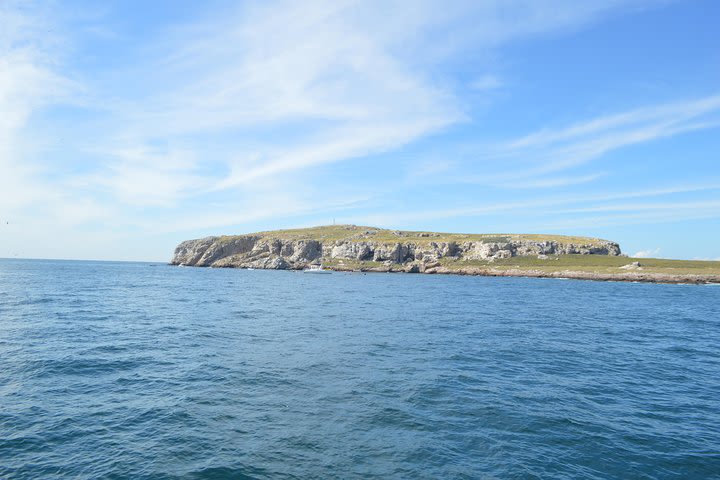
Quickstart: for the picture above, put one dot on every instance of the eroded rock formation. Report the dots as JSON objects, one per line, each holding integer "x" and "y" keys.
{"x": 264, "y": 251}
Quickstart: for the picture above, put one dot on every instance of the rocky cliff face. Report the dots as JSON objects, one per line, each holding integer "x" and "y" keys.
{"x": 261, "y": 251}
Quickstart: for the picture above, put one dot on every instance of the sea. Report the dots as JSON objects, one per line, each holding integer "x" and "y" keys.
{"x": 148, "y": 371}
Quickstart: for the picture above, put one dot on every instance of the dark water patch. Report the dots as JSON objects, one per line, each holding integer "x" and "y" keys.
{"x": 227, "y": 473}
{"x": 31, "y": 301}
{"x": 82, "y": 366}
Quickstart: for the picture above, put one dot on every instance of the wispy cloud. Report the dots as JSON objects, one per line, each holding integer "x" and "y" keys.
{"x": 634, "y": 219}
{"x": 553, "y": 150}
{"x": 262, "y": 209}
{"x": 278, "y": 90}
{"x": 29, "y": 82}
{"x": 546, "y": 158}
{"x": 650, "y": 253}
{"x": 310, "y": 78}
{"x": 146, "y": 176}
{"x": 665, "y": 114}
{"x": 572, "y": 205}
{"x": 641, "y": 207}
{"x": 552, "y": 182}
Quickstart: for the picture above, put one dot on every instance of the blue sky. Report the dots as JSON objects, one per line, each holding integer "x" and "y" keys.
{"x": 129, "y": 126}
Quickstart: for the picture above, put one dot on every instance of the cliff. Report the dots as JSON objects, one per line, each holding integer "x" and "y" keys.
{"x": 346, "y": 246}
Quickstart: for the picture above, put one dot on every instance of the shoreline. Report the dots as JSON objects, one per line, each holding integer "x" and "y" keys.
{"x": 371, "y": 249}
{"x": 629, "y": 277}
{"x": 640, "y": 277}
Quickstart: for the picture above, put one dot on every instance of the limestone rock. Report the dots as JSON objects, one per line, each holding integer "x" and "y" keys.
{"x": 267, "y": 251}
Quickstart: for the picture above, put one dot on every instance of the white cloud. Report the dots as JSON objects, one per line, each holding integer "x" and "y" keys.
{"x": 552, "y": 206}
{"x": 29, "y": 82}
{"x": 313, "y": 75}
{"x": 145, "y": 176}
{"x": 641, "y": 207}
{"x": 262, "y": 208}
{"x": 554, "y": 150}
{"x": 650, "y": 253}
{"x": 552, "y": 182}
{"x": 307, "y": 75}
{"x": 539, "y": 159}
{"x": 665, "y": 114}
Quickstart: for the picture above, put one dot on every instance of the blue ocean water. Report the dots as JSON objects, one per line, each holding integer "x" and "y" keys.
{"x": 144, "y": 371}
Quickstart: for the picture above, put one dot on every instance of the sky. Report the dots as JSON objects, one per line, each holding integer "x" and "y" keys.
{"x": 128, "y": 126}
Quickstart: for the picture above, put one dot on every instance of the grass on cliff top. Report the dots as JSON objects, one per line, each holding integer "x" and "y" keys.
{"x": 594, "y": 263}
{"x": 332, "y": 233}
{"x": 559, "y": 263}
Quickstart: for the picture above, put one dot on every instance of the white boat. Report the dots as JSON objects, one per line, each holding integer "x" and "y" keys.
{"x": 316, "y": 269}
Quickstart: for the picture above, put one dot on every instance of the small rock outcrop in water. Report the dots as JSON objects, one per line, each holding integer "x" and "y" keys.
{"x": 410, "y": 251}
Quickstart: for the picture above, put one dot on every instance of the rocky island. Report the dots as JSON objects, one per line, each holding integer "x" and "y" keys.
{"x": 369, "y": 249}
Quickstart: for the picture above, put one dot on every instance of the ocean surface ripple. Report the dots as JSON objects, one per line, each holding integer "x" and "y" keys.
{"x": 145, "y": 371}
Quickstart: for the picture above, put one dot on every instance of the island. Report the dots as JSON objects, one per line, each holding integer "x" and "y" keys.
{"x": 368, "y": 249}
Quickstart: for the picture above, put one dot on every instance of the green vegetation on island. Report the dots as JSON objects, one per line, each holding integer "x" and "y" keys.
{"x": 333, "y": 233}
{"x": 596, "y": 264}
